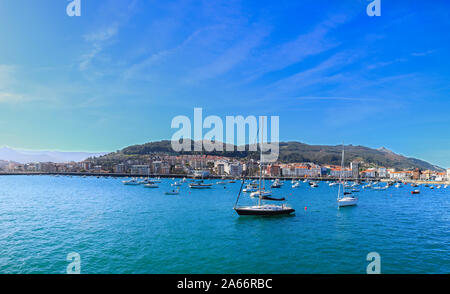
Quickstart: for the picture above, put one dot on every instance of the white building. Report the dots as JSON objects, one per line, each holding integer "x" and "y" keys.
{"x": 219, "y": 166}
{"x": 370, "y": 173}
{"x": 307, "y": 171}
{"x": 234, "y": 169}
{"x": 344, "y": 173}
{"x": 140, "y": 169}
{"x": 354, "y": 166}
{"x": 401, "y": 175}
{"x": 382, "y": 172}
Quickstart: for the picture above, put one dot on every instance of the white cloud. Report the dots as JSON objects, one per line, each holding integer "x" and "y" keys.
{"x": 425, "y": 53}
{"x": 10, "y": 97}
{"x": 229, "y": 58}
{"x": 98, "y": 40}
{"x": 7, "y": 82}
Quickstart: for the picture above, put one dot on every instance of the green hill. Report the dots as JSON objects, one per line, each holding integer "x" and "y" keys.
{"x": 289, "y": 152}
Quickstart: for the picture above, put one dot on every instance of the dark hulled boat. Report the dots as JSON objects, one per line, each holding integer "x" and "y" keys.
{"x": 261, "y": 210}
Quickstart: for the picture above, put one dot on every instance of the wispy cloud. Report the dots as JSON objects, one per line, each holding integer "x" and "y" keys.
{"x": 336, "y": 98}
{"x": 304, "y": 45}
{"x": 98, "y": 41}
{"x": 230, "y": 58}
{"x": 386, "y": 63}
{"x": 10, "y": 97}
{"x": 137, "y": 70}
{"x": 101, "y": 38}
{"x": 7, "y": 85}
{"x": 325, "y": 71}
{"x": 425, "y": 53}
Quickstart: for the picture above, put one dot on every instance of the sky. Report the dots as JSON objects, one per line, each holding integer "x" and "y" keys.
{"x": 118, "y": 74}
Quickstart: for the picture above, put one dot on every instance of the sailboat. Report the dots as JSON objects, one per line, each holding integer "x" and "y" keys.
{"x": 345, "y": 200}
{"x": 262, "y": 209}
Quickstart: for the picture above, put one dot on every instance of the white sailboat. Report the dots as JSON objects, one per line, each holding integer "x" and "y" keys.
{"x": 151, "y": 185}
{"x": 345, "y": 200}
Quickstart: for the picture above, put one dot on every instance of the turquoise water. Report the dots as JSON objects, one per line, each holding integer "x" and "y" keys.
{"x": 132, "y": 229}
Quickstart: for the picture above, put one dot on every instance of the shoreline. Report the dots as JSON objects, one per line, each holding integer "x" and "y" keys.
{"x": 215, "y": 177}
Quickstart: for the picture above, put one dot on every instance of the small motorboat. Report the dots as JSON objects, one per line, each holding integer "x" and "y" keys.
{"x": 276, "y": 184}
{"x": 176, "y": 184}
{"x": 262, "y": 192}
{"x": 131, "y": 182}
{"x": 151, "y": 185}
{"x": 200, "y": 185}
{"x": 415, "y": 192}
{"x": 296, "y": 185}
{"x": 378, "y": 188}
{"x": 250, "y": 188}
{"x": 173, "y": 192}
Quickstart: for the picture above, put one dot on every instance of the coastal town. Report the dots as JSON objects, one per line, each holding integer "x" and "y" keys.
{"x": 219, "y": 166}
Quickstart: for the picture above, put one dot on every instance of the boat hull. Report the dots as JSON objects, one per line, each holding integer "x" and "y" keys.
{"x": 199, "y": 187}
{"x": 347, "y": 202}
{"x": 249, "y": 211}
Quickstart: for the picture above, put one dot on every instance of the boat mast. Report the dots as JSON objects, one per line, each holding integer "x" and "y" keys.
{"x": 260, "y": 160}
{"x": 340, "y": 173}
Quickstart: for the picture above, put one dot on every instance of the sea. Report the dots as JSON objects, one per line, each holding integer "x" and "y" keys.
{"x": 119, "y": 229}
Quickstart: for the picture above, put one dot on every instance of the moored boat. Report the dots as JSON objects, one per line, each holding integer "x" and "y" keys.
{"x": 200, "y": 185}
{"x": 265, "y": 210}
{"x": 261, "y": 209}
{"x": 131, "y": 182}
{"x": 173, "y": 192}
{"x": 346, "y": 200}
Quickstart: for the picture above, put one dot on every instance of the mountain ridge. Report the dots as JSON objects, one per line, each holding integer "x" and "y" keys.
{"x": 27, "y": 156}
{"x": 292, "y": 151}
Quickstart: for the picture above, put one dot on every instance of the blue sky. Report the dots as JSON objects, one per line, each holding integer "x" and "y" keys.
{"x": 119, "y": 73}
